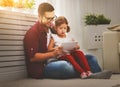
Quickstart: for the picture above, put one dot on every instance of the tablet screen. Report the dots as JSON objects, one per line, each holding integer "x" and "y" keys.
{"x": 68, "y": 45}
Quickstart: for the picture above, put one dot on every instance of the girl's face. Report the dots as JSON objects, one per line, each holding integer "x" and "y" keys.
{"x": 62, "y": 30}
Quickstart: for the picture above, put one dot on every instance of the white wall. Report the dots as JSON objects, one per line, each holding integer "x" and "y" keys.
{"x": 109, "y": 8}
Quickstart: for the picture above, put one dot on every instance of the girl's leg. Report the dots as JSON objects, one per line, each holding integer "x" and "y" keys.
{"x": 82, "y": 59}
{"x": 71, "y": 59}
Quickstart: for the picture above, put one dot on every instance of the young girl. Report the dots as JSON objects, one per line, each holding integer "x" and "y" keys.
{"x": 75, "y": 57}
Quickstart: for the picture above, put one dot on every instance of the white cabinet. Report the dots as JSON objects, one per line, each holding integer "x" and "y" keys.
{"x": 93, "y": 36}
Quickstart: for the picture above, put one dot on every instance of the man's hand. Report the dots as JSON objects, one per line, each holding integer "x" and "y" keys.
{"x": 57, "y": 51}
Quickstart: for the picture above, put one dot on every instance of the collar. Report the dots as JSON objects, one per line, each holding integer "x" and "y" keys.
{"x": 42, "y": 28}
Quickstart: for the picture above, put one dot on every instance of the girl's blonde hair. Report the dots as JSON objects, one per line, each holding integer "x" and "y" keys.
{"x": 61, "y": 20}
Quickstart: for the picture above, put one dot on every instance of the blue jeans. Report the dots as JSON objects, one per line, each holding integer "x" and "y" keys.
{"x": 92, "y": 60}
{"x": 62, "y": 69}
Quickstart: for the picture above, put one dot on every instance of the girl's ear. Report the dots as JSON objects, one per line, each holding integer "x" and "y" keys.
{"x": 68, "y": 28}
{"x": 53, "y": 30}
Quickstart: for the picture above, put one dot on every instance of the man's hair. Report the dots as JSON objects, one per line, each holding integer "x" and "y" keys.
{"x": 45, "y": 7}
{"x": 61, "y": 20}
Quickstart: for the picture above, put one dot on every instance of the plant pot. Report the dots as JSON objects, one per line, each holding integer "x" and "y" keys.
{"x": 93, "y": 36}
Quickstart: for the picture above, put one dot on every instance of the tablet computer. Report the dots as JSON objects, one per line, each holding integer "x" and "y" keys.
{"x": 69, "y": 45}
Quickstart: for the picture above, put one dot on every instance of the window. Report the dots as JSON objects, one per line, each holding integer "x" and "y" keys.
{"x": 23, "y": 6}
{"x": 17, "y": 3}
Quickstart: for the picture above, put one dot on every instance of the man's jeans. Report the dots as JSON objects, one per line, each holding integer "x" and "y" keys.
{"x": 63, "y": 69}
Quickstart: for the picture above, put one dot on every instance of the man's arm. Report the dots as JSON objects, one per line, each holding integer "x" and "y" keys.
{"x": 47, "y": 55}
{"x": 42, "y": 56}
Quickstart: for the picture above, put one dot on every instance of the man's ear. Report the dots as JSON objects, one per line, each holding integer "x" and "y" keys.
{"x": 39, "y": 15}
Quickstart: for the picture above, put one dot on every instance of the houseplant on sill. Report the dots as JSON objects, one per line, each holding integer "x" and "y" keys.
{"x": 95, "y": 26}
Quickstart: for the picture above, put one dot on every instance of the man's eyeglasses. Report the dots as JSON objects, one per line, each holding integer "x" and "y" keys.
{"x": 50, "y": 18}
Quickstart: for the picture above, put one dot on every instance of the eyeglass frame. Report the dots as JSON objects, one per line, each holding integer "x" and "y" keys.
{"x": 50, "y": 19}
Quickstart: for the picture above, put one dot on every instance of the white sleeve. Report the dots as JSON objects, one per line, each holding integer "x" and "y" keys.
{"x": 54, "y": 36}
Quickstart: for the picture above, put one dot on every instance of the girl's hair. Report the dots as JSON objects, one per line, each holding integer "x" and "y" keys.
{"x": 45, "y": 7}
{"x": 61, "y": 20}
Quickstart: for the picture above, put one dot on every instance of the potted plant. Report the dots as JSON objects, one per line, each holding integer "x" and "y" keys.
{"x": 93, "y": 19}
{"x": 95, "y": 26}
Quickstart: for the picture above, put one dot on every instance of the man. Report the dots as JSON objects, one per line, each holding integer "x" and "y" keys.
{"x": 35, "y": 44}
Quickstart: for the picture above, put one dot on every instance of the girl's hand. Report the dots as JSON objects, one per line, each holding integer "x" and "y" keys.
{"x": 76, "y": 47}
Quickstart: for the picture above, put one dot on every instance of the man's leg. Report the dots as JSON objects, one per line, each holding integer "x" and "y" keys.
{"x": 92, "y": 60}
{"x": 98, "y": 73}
{"x": 63, "y": 70}
{"x": 59, "y": 70}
